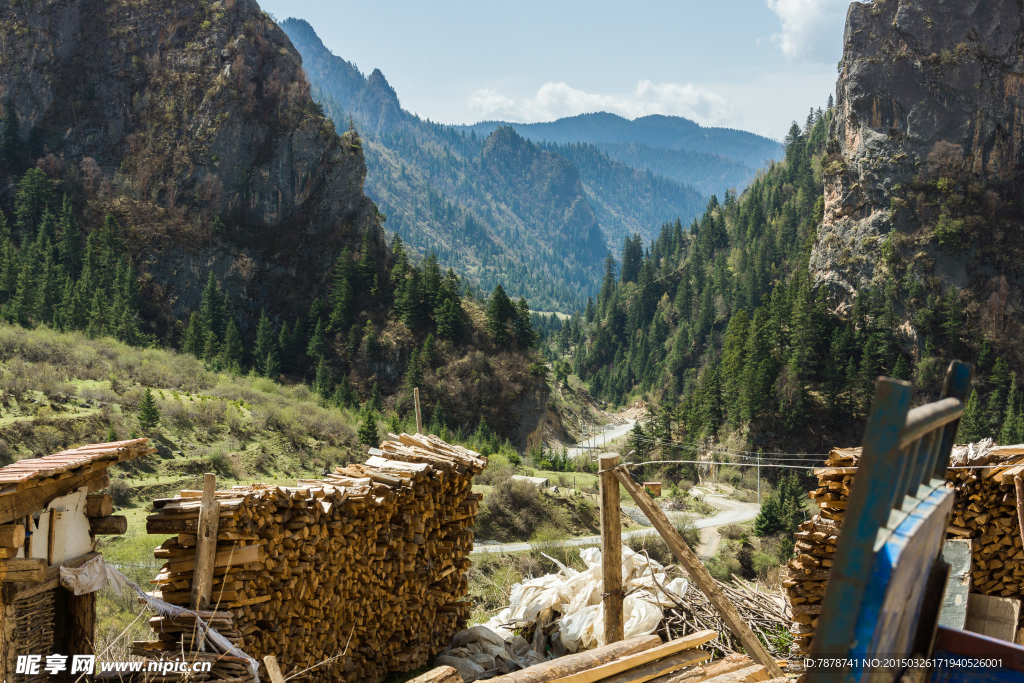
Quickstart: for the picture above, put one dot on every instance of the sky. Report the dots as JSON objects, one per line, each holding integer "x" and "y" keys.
{"x": 755, "y": 65}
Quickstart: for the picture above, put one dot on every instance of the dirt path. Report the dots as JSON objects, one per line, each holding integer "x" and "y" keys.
{"x": 732, "y": 512}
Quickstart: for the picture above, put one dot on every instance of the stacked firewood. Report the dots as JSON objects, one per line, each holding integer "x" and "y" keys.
{"x": 361, "y": 573}
{"x": 807, "y": 573}
{"x": 986, "y": 510}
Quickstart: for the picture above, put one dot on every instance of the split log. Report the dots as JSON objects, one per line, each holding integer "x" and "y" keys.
{"x": 634, "y": 661}
{"x": 442, "y": 674}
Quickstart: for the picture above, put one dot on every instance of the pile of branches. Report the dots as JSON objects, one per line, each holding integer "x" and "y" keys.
{"x": 767, "y": 615}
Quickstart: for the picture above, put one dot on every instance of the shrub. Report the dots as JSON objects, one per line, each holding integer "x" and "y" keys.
{"x": 512, "y": 511}
{"x": 733, "y": 532}
{"x": 220, "y": 463}
{"x": 121, "y": 492}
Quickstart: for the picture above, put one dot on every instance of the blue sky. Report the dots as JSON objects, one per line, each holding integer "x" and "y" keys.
{"x": 749, "y": 64}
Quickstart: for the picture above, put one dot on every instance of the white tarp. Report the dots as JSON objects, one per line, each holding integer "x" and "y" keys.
{"x": 576, "y": 597}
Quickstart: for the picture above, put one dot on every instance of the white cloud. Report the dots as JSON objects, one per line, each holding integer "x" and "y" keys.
{"x": 808, "y": 27}
{"x": 556, "y": 100}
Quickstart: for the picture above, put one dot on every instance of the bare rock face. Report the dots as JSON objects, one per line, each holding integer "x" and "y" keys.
{"x": 926, "y": 150}
{"x": 192, "y": 122}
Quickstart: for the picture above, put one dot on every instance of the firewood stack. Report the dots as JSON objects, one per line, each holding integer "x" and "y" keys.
{"x": 807, "y": 574}
{"x": 365, "y": 568}
{"x": 986, "y": 511}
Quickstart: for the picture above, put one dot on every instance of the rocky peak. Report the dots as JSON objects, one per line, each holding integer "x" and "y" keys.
{"x": 181, "y": 118}
{"x": 925, "y": 153}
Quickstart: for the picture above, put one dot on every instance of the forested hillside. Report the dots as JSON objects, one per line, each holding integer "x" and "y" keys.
{"x": 437, "y": 187}
{"x": 707, "y": 172}
{"x": 720, "y": 323}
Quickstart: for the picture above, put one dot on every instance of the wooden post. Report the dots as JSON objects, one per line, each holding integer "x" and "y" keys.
{"x": 273, "y": 670}
{"x": 419, "y": 417}
{"x": 611, "y": 548}
{"x": 206, "y": 545}
{"x": 705, "y": 582}
{"x": 1018, "y": 486}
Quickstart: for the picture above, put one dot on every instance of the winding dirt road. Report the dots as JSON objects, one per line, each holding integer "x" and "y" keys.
{"x": 732, "y": 512}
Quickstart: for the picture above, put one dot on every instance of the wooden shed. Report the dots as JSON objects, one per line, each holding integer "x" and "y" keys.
{"x": 50, "y": 517}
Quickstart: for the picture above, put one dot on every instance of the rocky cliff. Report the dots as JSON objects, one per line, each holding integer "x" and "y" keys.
{"x": 924, "y": 165}
{"x": 192, "y": 122}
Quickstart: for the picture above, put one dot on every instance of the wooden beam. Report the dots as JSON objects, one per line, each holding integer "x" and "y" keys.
{"x": 206, "y": 546}
{"x": 35, "y": 498}
{"x": 18, "y": 591}
{"x": 662, "y": 667}
{"x": 633, "y": 661}
{"x": 273, "y": 670}
{"x": 611, "y": 548}
{"x": 581, "y": 661}
{"x": 82, "y": 623}
{"x": 442, "y": 674}
{"x": 108, "y": 526}
{"x": 699, "y": 574}
{"x": 32, "y": 571}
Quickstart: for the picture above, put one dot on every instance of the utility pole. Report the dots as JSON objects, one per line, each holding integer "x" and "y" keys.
{"x": 759, "y": 477}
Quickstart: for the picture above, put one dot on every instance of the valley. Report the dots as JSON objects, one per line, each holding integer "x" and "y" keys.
{"x": 400, "y": 344}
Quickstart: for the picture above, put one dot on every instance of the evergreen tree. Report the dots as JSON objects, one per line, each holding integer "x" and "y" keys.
{"x": 368, "y": 430}
{"x": 973, "y": 425}
{"x": 265, "y": 350}
{"x": 414, "y": 371}
{"x": 769, "y": 520}
{"x": 324, "y": 381}
{"x": 376, "y": 398}
{"x": 212, "y": 309}
{"x": 318, "y": 342}
{"x": 500, "y": 310}
{"x": 149, "y": 414}
{"x": 449, "y": 321}
{"x": 522, "y": 326}
{"x": 429, "y": 353}
{"x": 34, "y": 197}
{"x": 1012, "y": 431}
{"x": 232, "y": 349}
{"x": 195, "y": 336}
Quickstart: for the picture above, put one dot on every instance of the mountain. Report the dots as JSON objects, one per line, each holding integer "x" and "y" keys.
{"x": 236, "y": 174}
{"x": 440, "y": 191}
{"x": 888, "y": 241}
{"x": 632, "y": 142}
{"x": 167, "y": 179}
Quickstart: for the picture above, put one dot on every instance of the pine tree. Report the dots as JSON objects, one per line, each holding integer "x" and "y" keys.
{"x": 195, "y": 336}
{"x": 112, "y": 434}
{"x": 318, "y": 342}
{"x": 233, "y": 350}
{"x": 272, "y": 366}
{"x": 341, "y": 294}
{"x": 449, "y": 321}
{"x": 769, "y": 520}
{"x": 212, "y": 309}
{"x": 522, "y": 326}
{"x": 368, "y": 431}
{"x": 500, "y": 311}
{"x": 428, "y": 355}
{"x": 414, "y": 371}
{"x": 266, "y": 347}
{"x": 324, "y": 381}
{"x": 34, "y": 196}
{"x": 149, "y": 414}
{"x": 973, "y": 425}
{"x": 376, "y": 398}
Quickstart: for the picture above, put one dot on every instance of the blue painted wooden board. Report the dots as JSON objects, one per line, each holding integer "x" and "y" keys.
{"x": 888, "y": 617}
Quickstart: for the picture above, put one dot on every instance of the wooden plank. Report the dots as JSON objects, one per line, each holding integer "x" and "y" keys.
{"x": 51, "y": 534}
{"x": 416, "y": 405}
{"x": 673, "y": 647}
{"x": 273, "y": 670}
{"x": 115, "y": 525}
{"x": 442, "y": 674}
{"x": 957, "y": 553}
{"x": 868, "y": 506}
{"x": 18, "y": 591}
{"x": 206, "y": 545}
{"x": 611, "y": 549}
{"x": 22, "y": 570}
{"x": 662, "y": 667}
{"x": 699, "y": 574}
{"x": 225, "y": 558}
{"x": 992, "y": 616}
{"x": 570, "y": 664}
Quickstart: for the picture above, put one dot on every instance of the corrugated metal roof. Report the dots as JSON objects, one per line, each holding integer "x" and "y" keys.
{"x": 84, "y": 456}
